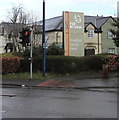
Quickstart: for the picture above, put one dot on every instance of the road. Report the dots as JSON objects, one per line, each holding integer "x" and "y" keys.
{"x": 61, "y": 103}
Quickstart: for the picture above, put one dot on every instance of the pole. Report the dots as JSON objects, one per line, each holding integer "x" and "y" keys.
{"x": 98, "y": 43}
{"x": 31, "y": 51}
{"x": 43, "y": 42}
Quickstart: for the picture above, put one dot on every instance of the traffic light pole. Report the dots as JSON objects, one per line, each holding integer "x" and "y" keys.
{"x": 31, "y": 51}
{"x": 43, "y": 42}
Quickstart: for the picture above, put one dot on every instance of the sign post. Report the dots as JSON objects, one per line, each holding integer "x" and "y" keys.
{"x": 43, "y": 42}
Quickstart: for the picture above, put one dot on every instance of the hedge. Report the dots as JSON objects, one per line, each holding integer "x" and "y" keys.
{"x": 54, "y": 64}
{"x": 63, "y": 64}
{"x": 10, "y": 64}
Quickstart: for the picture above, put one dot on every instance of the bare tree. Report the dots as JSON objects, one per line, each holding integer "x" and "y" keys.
{"x": 19, "y": 19}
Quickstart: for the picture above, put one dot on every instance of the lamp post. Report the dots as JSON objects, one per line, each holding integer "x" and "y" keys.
{"x": 43, "y": 42}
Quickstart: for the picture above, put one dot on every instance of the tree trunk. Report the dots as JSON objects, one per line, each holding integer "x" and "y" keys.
{"x": 15, "y": 45}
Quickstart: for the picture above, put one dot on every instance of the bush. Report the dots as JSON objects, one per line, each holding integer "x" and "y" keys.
{"x": 91, "y": 63}
{"x": 6, "y": 55}
{"x": 37, "y": 51}
{"x": 64, "y": 64}
{"x": 54, "y": 50}
{"x": 51, "y": 50}
{"x": 112, "y": 61}
{"x": 10, "y": 64}
{"x": 26, "y": 53}
{"x": 24, "y": 65}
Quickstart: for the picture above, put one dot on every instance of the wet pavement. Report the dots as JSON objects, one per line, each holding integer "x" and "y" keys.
{"x": 81, "y": 81}
{"x": 79, "y": 96}
{"x": 63, "y": 103}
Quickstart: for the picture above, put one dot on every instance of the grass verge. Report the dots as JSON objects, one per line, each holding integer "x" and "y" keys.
{"x": 26, "y": 76}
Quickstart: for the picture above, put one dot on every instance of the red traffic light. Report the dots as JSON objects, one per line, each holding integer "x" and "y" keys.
{"x": 26, "y": 33}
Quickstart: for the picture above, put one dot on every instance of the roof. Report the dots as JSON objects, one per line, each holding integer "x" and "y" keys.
{"x": 97, "y": 21}
{"x": 37, "y": 29}
{"x": 88, "y": 23}
{"x": 53, "y": 23}
{"x": 8, "y": 27}
{"x": 56, "y": 23}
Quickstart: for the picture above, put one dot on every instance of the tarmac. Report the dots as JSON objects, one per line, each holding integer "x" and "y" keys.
{"x": 89, "y": 81}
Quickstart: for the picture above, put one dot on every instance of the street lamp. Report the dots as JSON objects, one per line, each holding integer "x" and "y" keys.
{"x": 43, "y": 42}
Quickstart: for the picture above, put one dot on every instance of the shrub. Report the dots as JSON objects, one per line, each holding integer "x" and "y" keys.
{"x": 10, "y": 64}
{"x": 64, "y": 64}
{"x": 26, "y": 53}
{"x": 6, "y": 55}
{"x": 54, "y": 50}
{"x": 112, "y": 61}
{"x": 91, "y": 63}
{"x": 24, "y": 65}
{"x": 37, "y": 51}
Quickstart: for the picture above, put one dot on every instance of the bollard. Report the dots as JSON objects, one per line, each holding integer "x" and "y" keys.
{"x": 105, "y": 72}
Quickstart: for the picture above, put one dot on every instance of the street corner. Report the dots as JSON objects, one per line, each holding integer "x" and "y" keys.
{"x": 56, "y": 83}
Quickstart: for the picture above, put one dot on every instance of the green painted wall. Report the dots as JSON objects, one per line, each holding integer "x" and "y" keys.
{"x": 107, "y": 42}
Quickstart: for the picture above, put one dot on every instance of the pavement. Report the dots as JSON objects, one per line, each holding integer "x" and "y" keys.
{"x": 68, "y": 81}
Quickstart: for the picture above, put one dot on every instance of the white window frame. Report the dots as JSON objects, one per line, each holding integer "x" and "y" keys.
{"x": 111, "y": 50}
{"x": 90, "y": 33}
{"x": 110, "y": 35}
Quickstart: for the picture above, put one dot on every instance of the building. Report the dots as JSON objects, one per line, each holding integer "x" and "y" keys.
{"x": 53, "y": 28}
{"x": 97, "y": 37}
{"x": 7, "y": 31}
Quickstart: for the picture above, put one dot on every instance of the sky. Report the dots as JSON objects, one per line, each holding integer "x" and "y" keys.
{"x": 55, "y": 7}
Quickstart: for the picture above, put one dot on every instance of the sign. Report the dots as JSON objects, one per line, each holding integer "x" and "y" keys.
{"x": 73, "y": 33}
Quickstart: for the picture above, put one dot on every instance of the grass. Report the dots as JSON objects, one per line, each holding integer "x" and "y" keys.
{"x": 6, "y": 55}
{"x": 26, "y": 76}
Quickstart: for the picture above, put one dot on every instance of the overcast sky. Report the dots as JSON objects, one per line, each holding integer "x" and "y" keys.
{"x": 55, "y": 7}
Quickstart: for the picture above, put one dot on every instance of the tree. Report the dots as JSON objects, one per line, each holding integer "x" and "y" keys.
{"x": 116, "y": 34}
{"x": 19, "y": 19}
{"x": 17, "y": 14}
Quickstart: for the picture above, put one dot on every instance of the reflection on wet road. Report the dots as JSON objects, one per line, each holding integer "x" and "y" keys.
{"x": 36, "y": 103}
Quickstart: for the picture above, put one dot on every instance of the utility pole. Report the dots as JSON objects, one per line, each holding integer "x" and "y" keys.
{"x": 43, "y": 42}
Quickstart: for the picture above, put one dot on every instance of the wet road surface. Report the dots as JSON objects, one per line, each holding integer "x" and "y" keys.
{"x": 63, "y": 103}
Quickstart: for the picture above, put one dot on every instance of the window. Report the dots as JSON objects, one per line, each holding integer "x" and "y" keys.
{"x": 90, "y": 33}
{"x": 110, "y": 35}
{"x": 111, "y": 50}
{"x": 1, "y": 31}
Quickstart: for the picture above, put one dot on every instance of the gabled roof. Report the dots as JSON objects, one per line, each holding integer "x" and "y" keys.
{"x": 53, "y": 23}
{"x": 98, "y": 21}
{"x": 101, "y": 21}
{"x": 86, "y": 24}
{"x": 56, "y": 23}
{"x": 88, "y": 19}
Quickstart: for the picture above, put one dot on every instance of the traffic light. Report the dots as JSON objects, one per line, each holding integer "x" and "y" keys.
{"x": 25, "y": 36}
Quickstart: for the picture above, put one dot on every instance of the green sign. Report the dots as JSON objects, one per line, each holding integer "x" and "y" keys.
{"x": 74, "y": 33}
